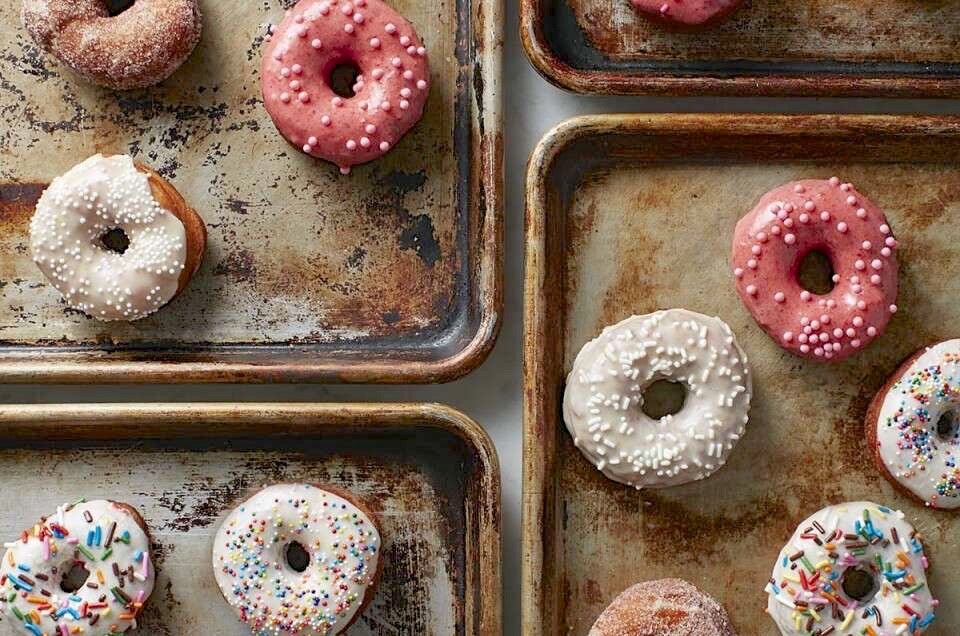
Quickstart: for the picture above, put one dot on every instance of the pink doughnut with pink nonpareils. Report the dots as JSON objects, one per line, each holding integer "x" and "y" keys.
{"x": 830, "y": 217}
{"x": 389, "y": 93}
{"x": 686, "y": 13}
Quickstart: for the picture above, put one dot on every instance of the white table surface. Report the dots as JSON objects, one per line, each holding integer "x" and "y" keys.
{"x": 491, "y": 395}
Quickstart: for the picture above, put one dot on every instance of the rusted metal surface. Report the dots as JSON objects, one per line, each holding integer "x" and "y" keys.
{"x": 882, "y": 48}
{"x": 392, "y": 274}
{"x": 429, "y": 474}
{"x": 629, "y": 214}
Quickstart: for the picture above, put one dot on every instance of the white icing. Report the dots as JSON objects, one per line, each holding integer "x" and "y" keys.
{"x": 94, "y": 197}
{"x": 125, "y": 546}
{"x": 909, "y": 444}
{"x": 903, "y": 561}
{"x": 604, "y": 395}
{"x": 255, "y": 577}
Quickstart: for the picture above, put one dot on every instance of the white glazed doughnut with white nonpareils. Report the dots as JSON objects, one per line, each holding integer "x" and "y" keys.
{"x": 73, "y": 215}
{"x": 604, "y": 395}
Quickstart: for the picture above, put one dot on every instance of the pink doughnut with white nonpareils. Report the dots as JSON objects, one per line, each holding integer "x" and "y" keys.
{"x": 389, "y": 93}
{"x": 772, "y": 241}
{"x": 686, "y": 13}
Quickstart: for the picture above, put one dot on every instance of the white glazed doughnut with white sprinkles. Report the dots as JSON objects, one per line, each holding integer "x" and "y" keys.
{"x": 605, "y": 393}
{"x": 95, "y": 197}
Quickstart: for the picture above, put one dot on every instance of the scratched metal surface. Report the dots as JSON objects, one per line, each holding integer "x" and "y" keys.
{"x": 641, "y": 218}
{"x": 393, "y": 262}
{"x": 416, "y": 476}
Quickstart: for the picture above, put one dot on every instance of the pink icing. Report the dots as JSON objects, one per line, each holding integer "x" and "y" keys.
{"x": 770, "y": 243}
{"x": 390, "y": 92}
{"x": 688, "y": 12}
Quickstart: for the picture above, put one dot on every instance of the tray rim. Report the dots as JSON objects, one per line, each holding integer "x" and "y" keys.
{"x": 484, "y": 183}
{"x": 157, "y": 420}
{"x": 540, "y": 403}
{"x": 610, "y": 82}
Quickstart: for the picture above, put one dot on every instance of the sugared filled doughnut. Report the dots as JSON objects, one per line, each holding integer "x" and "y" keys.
{"x": 116, "y": 239}
{"x": 832, "y": 218}
{"x": 298, "y": 559}
{"x": 86, "y": 569}
{"x": 139, "y": 47}
{"x": 315, "y": 40}
{"x": 668, "y": 607}
{"x": 855, "y": 568}
{"x": 604, "y": 398}
{"x": 686, "y": 13}
{"x": 912, "y": 426}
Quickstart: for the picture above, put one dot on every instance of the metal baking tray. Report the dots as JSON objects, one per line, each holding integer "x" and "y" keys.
{"x": 880, "y": 48}
{"x": 392, "y": 274}
{"x": 628, "y": 214}
{"x": 429, "y": 473}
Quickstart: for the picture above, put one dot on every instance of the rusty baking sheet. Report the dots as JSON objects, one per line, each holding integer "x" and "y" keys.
{"x": 429, "y": 473}
{"x": 629, "y": 214}
{"x": 881, "y": 48}
{"x": 392, "y": 274}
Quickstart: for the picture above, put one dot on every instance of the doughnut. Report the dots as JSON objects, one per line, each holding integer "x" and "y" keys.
{"x": 832, "y": 218}
{"x": 315, "y": 38}
{"x": 298, "y": 559}
{"x": 668, "y": 607}
{"x": 602, "y": 404}
{"x": 686, "y": 13}
{"x": 136, "y": 48}
{"x": 912, "y": 426}
{"x": 854, "y": 568}
{"x": 116, "y": 239}
{"x": 87, "y": 570}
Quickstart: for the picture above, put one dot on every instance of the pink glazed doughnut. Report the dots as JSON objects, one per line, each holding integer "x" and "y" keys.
{"x": 317, "y": 36}
{"x": 831, "y": 217}
{"x": 686, "y": 13}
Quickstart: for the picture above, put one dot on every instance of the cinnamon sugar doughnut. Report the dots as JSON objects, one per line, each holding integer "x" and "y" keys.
{"x": 138, "y": 47}
{"x": 668, "y": 607}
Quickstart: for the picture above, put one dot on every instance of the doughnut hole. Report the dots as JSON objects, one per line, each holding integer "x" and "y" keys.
{"x": 663, "y": 398}
{"x": 947, "y": 426}
{"x": 296, "y": 557}
{"x": 860, "y": 584}
{"x": 115, "y": 240}
{"x": 75, "y": 578}
{"x": 116, "y": 7}
{"x": 815, "y": 273}
{"x": 343, "y": 77}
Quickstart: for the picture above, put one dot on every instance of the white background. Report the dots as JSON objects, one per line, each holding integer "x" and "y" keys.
{"x": 491, "y": 395}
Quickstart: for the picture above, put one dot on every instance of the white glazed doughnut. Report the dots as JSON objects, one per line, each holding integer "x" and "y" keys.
{"x": 604, "y": 395}
{"x": 73, "y": 215}
{"x": 260, "y": 579}
{"x": 855, "y": 568}
{"x": 106, "y": 538}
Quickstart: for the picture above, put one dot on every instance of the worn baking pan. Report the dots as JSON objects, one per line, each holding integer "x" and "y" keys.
{"x": 628, "y": 214}
{"x": 428, "y": 472}
{"x": 392, "y": 274}
{"x": 881, "y": 48}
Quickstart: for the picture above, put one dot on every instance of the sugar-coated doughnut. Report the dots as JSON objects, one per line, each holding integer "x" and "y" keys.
{"x": 604, "y": 395}
{"x": 87, "y": 569}
{"x": 771, "y": 242}
{"x": 855, "y": 568}
{"x": 70, "y": 230}
{"x": 389, "y": 94}
{"x": 298, "y": 559}
{"x": 139, "y": 47}
{"x": 668, "y": 607}
{"x": 912, "y": 426}
{"x": 688, "y": 13}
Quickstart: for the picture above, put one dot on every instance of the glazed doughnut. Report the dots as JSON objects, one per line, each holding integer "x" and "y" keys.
{"x": 71, "y": 229}
{"x": 771, "y": 242}
{"x": 390, "y": 92}
{"x": 912, "y": 426}
{"x": 298, "y": 559}
{"x": 686, "y": 13}
{"x": 139, "y": 47}
{"x": 85, "y": 570}
{"x": 668, "y": 607}
{"x": 605, "y": 393}
{"x": 856, "y": 568}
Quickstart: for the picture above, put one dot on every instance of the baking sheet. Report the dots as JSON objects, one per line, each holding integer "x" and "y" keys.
{"x": 629, "y": 214}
